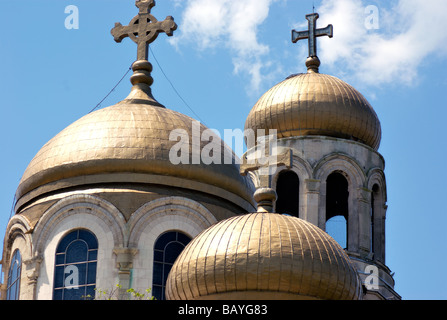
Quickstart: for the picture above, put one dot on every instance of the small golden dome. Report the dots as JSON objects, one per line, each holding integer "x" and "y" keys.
{"x": 316, "y": 104}
{"x": 263, "y": 256}
{"x": 132, "y": 136}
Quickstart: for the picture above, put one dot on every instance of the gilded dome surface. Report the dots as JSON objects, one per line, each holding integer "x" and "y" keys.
{"x": 316, "y": 104}
{"x": 130, "y": 136}
{"x": 265, "y": 256}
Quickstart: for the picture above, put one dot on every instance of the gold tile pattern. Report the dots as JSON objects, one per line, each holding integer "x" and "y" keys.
{"x": 263, "y": 252}
{"x": 133, "y": 137}
{"x": 316, "y": 104}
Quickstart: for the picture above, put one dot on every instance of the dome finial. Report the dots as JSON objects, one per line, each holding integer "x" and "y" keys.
{"x": 265, "y": 198}
{"x": 312, "y": 61}
{"x": 143, "y": 29}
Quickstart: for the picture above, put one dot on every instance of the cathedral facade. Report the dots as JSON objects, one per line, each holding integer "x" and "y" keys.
{"x": 102, "y": 203}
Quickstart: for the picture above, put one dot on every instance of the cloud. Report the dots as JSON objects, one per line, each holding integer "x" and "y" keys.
{"x": 232, "y": 24}
{"x": 409, "y": 34}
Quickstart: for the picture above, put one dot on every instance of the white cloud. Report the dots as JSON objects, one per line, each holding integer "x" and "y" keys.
{"x": 232, "y": 24}
{"x": 410, "y": 34}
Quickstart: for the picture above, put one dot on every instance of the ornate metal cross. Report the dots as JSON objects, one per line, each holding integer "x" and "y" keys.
{"x": 144, "y": 28}
{"x": 312, "y": 33}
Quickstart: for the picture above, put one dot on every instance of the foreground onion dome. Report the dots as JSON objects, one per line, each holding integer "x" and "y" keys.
{"x": 316, "y": 104}
{"x": 263, "y": 256}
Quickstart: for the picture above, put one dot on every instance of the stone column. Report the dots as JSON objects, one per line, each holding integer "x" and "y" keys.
{"x": 364, "y": 222}
{"x": 379, "y": 228}
{"x": 312, "y": 198}
{"x": 124, "y": 264}
{"x": 32, "y": 271}
{"x": 3, "y": 291}
{"x": 381, "y": 219}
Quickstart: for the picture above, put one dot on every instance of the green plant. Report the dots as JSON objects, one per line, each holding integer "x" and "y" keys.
{"x": 117, "y": 294}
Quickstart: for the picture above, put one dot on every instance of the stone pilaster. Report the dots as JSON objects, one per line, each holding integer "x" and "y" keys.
{"x": 364, "y": 216}
{"x": 32, "y": 271}
{"x": 124, "y": 264}
{"x": 312, "y": 196}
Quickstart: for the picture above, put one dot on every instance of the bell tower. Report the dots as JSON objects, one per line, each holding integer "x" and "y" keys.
{"x": 336, "y": 177}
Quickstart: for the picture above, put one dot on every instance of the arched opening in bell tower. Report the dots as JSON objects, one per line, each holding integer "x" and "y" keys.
{"x": 337, "y": 208}
{"x": 376, "y": 203}
{"x": 287, "y": 190}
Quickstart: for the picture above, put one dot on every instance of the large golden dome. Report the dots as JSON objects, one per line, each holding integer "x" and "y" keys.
{"x": 132, "y": 136}
{"x": 316, "y": 104}
{"x": 263, "y": 256}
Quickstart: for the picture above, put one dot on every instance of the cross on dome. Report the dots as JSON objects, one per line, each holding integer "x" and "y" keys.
{"x": 144, "y": 28}
{"x": 311, "y": 34}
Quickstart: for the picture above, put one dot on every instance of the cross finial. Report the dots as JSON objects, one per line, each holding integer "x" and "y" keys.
{"x": 312, "y": 62}
{"x": 144, "y": 28}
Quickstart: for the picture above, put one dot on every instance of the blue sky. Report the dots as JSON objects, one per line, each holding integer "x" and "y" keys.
{"x": 223, "y": 56}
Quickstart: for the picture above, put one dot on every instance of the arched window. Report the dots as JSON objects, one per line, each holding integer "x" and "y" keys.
{"x": 14, "y": 274}
{"x": 337, "y": 196}
{"x": 287, "y": 190}
{"x": 167, "y": 248}
{"x": 375, "y": 211}
{"x": 75, "y": 266}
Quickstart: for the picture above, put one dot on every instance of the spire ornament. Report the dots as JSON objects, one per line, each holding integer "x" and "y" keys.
{"x": 311, "y": 34}
{"x": 143, "y": 29}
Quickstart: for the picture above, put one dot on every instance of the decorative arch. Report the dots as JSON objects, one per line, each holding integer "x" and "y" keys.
{"x": 175, "y": 211}
{"x": 377, "y": 176}
{"x": 18, "y": 227}
{"x": 17, "y": 237}
{"x": 356, "y": 179}
{"x": 85, "y": 204}
{"x": 76, "y": 212}
{"x": 303, "y": 170}
{"x": 157, "y": 217}
{"x": 342, "y": 163}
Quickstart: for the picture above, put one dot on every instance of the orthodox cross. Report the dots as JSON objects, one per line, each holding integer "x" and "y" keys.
{"x": 144, "y": 28}
{"x": 312, "y": 33}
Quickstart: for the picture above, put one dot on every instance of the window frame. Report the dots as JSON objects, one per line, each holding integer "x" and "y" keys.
{"x": 14, "y": 283}
{"x": 64, "y": 259}
{"x": 162, "y": 265}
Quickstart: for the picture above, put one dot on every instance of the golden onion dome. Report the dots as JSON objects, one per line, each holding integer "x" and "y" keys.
{"x": 132, "y": 136}
{"x": 316, "y": 104}
{"x": 263, "y": 256}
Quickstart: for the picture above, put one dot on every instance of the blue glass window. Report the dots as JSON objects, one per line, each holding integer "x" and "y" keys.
{"x": 15, "y": 271}
{"x": 167, "y": 248}
{"x": 75, "y": 266}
